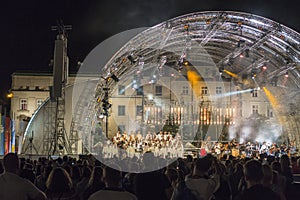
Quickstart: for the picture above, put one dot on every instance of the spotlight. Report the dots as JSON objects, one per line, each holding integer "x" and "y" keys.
{"x": 186, "y": 63}
{"x": 101, "y": 116}
{"x": 115, "y": 78}
{"x": 221, "y": 69}
{"x": 264, "y": 67}
{"x": 186, "y": 27}
{"x": 253, "y": 73}
{"x": 286, "y": 75}
{"x": 131, "y": 59}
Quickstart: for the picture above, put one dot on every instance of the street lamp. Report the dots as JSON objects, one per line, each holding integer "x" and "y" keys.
{"x": 10, "y": 95}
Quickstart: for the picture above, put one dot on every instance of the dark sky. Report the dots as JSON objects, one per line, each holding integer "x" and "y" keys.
{"x": 27, "y": 41}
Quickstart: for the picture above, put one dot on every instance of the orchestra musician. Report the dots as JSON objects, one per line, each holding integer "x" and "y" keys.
{"x": 263, "y": 148}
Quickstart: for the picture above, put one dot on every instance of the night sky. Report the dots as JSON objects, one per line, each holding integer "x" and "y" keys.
{"x": 27, "y": 41}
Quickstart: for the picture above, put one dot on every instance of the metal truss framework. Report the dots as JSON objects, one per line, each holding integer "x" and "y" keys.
{"x": 224, "y": 36}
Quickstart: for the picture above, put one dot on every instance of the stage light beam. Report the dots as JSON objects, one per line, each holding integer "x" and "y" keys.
{"x": 271, "y": 98}
{"x": 231, "y": 73}
{"x": 194, "y": 80}
{"x": 274, "y": 103}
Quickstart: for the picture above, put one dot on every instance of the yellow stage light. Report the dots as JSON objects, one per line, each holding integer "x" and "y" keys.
{"x": 231, "y": 73}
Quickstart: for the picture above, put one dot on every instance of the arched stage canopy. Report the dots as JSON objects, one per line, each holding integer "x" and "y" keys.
{"x": 237, "y": 44}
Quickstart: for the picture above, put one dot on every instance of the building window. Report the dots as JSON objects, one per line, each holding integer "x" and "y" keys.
{"x": 218, "y": 90}
{"x": 185, "y": 90}
{"x": 204, "y": 91}
{"x": 140, "y": 90}
{"x": 39, "y": 102}
{"x": 254, "y": 92}
{"x": 270, "y": 112}
{"x": 121, "y": 110}
{"x": 139, "y": 110}
{"x": 23, "y": 104}
{"x": 121, "y": 90}
{"x": 254, "y": 109}
{"x": 158, "y": 90}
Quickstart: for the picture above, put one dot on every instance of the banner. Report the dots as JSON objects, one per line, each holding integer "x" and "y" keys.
{"x": 2, "y": 126}
{"x": 13, "y": 137}
{"x": 7, "y": 135}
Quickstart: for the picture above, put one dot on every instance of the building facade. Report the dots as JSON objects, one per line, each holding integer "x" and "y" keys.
{"x": 200, "y": 109}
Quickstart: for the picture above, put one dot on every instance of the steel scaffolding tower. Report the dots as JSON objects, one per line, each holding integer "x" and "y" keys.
{"x": 56, "y": 141}
{"x": 49, "y": 125}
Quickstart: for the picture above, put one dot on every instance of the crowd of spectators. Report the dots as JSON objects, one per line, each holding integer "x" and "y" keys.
{"x": 204, "y": 178}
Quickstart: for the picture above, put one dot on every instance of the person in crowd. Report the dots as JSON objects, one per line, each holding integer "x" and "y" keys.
{"x": 223, "y": 192}
{"x": 40, "y": 181}
{"x": 80, "y": 187}
{"x": 173, "y": 177}
{"x": 286, "y": 169}
{"x": 95, "y": 182}
{"x": 1, "y": 167}
{"x": 59, "y": 185}
{"x": 296, "y": 169}
{"x": 235, "y": 178}
{"x": 113, "y": 186}
{"x": 295, "y": 165}
{"x": 269, "y": 180}
{"x": 253, "y": 172}
{"x": 153, "y": 184}
{"x": 13, "y": 187}
{"x": 202, "y": 183}
{"x": 75, "y": 174}
{"x": 27, "y": 172}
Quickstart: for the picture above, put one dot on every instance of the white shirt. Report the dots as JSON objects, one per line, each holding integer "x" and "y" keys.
{"x": 14, "y": 187}
{"x": 112, "y": 195}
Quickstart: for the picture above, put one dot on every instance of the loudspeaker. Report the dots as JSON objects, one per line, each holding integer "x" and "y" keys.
{"x": 58, "y": 68}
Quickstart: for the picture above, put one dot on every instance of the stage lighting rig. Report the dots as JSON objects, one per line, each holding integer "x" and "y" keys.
{"x": 115, "y": 78}
{"x": 132, "y": 59}
{"x": 221, "y": 69}
{"x": 106, "y": 105}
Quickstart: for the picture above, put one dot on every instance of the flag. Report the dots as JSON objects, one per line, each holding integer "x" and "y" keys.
{"x": 13, "y": 137}
{"x": 7, "y": 135}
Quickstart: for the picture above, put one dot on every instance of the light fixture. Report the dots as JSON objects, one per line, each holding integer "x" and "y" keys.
{"x": 186, "y": 63}
{"x": 101, "y": 116}
{"x": 253, "y": 73}
{"x": 10, "y": 95}
{"x": 247, "y": 53}
{"x": 131, "y": 59}
{"x": 221, "y": 69}
{"x": 274, "y": 81}
{"x": 264, "y": 67}
{"x": 186, "y": 27}
{"x": 286, "y": 75}
{"x": 115, "y": 78}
